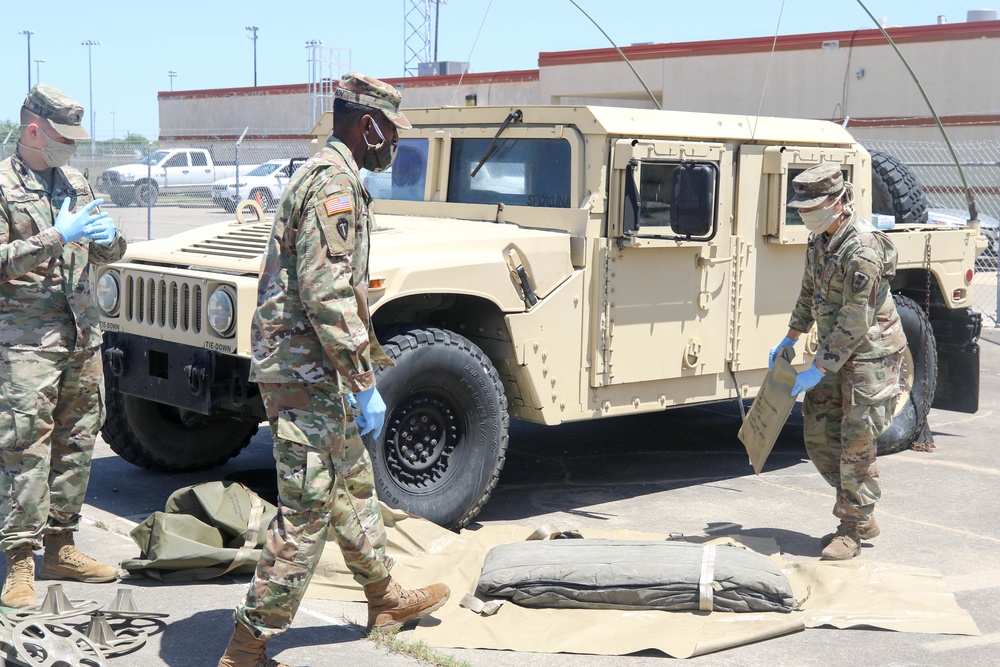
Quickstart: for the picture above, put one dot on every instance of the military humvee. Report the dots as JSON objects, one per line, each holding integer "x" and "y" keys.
{"x": 544, "y": 263}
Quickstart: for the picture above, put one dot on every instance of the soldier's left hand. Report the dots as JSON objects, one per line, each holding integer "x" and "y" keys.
{"x": 807, "y": 379}
{"x": 372, "y": 412}
{"x": 101, "y": 231}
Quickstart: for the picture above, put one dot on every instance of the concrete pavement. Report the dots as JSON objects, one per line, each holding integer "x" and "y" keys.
{"x": 683, "y": 470}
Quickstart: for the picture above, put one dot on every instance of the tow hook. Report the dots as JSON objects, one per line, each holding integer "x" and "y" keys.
{"x": 116, "y": 361}
{"x": 196, "y": 376}
{"x": 238, "y": 391}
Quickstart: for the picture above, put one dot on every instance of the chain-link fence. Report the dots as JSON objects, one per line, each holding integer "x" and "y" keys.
{"x": 155, "y": 190}
{"x": 934, "y": 166}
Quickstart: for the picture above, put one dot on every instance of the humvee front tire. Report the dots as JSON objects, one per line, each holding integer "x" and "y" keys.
{"x": 919, "y": 371}
{"x": 445, "y": 437}
{"x": 161, "y": 437}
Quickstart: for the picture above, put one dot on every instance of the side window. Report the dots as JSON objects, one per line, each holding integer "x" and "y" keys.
{"x": 520, "y": 172}
{"x": 655, "y": 190}
{"x": 199, "y": 160}
{"x": 671, "y": 200}
{"x": 177, "y": 160}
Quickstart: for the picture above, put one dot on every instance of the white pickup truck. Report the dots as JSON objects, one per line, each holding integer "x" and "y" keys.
{"x": 170, "y": 171}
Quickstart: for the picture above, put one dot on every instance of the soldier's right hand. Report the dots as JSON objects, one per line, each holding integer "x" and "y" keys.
{"x": 71, "y": 225}
{"x": 785, "y": 342}
{"x": 372, "y": 412}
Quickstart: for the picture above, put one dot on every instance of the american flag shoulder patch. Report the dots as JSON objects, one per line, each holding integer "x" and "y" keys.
{"x": 338, "y": 204}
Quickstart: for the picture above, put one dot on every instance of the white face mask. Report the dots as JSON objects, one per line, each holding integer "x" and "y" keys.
{"x": 819, "y": 220}
{"x": 55, "y": 154}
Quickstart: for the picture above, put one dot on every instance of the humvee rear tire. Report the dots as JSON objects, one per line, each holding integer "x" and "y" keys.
{"x": 164, "y": 438}
{"x": 445, "y": 437}
{"x": 920, "y": 366}
{"x": 896, "y": 190}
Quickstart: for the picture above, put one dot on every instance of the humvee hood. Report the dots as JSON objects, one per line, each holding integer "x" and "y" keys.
{"x": 411, "y": 254}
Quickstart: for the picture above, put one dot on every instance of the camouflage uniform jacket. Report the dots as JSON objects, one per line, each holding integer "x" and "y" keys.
{"x": 845, "y": 290}
{"x": 312, "y": 322}
{"x": 45, "y": 286}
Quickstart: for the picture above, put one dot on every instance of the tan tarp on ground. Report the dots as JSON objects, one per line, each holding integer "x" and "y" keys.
{"x": 859, "y": 593}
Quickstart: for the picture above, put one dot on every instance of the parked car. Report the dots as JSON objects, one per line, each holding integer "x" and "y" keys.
{"x": 171, "y": 171}
{"x": 958, "y": 217}
{"x": 266, "y": 182}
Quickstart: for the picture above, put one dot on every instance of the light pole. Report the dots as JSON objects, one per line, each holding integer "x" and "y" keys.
{"x": 90, "y": 43}
{"x": 38, "y": 76}
{"x": 28, "y": 34}
{"x": 171, "y": 73}
{"x": 113, "y": 135}
{"x": 253, "y": 29}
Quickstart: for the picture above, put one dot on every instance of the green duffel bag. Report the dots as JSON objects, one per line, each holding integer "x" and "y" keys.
{"x": 205, "y": 531}
{"x": 627, "y": 574}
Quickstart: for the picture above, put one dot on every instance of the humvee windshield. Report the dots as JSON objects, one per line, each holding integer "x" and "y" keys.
{"x": 521, "y": 172}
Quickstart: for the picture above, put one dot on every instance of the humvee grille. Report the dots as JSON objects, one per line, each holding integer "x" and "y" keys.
{"x": 245, "y": 242}
{"x": 157, "y": 301}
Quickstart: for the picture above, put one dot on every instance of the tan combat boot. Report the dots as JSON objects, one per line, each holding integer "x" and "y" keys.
{"x": 845, "y": 546}
{"x": 245, "y": 650}
{"x": 390, "y": 605}
{"x": 63, "y": 561}
{"x": 19, "y": 586}
{"x": 866, "y": 530}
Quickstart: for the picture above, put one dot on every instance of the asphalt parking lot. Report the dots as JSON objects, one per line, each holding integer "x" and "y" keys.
{"x": 682, "y": 470}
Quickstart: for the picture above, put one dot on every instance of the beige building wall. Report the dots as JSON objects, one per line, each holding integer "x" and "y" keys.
{"x": 808, "y": 76}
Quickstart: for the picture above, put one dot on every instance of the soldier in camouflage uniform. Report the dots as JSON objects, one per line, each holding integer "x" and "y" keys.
{"x": 51, "y": 382}
{"x": 851, "y": 387}
{"x": 314, "y": 351}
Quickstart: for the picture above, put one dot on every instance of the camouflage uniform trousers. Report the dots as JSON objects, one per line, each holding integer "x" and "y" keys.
{"x": 325, "y": 479}
{"x": 51, "y": 408}
{"x": 842, "y": 417}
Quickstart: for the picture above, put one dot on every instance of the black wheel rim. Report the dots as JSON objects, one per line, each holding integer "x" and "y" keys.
{"x": 422, "y": 435}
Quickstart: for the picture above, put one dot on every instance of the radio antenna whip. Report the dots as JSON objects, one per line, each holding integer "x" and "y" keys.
{"x": 627, "y": 62}
{"x": 970, "y": 200}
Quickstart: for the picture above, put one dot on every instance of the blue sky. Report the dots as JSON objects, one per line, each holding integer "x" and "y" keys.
{"x": 207, "y": 44}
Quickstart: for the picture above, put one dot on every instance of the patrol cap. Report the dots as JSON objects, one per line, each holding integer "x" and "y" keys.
{"x": 815, "y": 184}
{"x": 61, "y": 110}
{"x": 369, "y": 92}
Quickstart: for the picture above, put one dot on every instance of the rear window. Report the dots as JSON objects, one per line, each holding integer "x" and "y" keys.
{"x": 520, "y": 172}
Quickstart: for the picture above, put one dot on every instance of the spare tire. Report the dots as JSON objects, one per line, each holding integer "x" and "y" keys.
{"x": 896, "y": 190}
{"x": 917, "y": 378}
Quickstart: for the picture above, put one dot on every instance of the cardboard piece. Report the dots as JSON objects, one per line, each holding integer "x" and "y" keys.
{"x": 770, "y": 410}
{"x": 858, "y": 593}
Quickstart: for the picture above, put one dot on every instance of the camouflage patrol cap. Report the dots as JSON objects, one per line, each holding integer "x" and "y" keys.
{"x": 815, "y": 184}
{"x": 61, "y": 110}
{"x": 370, "y": 92}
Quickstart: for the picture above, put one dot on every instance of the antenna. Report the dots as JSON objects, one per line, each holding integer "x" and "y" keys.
{"x": 969, "y": 198}
{"x": 627, "y": 62}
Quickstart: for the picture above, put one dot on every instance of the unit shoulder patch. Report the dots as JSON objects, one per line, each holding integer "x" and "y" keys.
{"x": 859, "y": 281}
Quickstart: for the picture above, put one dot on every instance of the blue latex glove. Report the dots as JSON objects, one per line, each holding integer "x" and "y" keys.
{"x": 102, "y": 231}
{"x": 806, "y": 380}
{"x": 785, "y": 342}
{"x": 372, "y": 408}
{"x": 71, "y": 225}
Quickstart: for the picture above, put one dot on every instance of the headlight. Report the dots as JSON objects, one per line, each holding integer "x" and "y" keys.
{"x": 108, "y": 292}
{"x": 128, "y": 177}
{"x": 221, "y": 311}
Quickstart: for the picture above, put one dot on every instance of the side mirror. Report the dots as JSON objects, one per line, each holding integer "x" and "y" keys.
{"x": 693, "y": 200}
